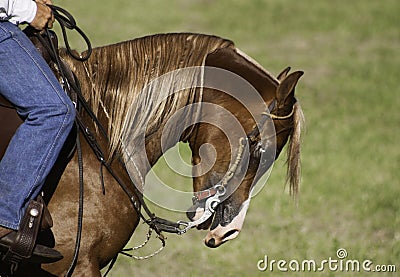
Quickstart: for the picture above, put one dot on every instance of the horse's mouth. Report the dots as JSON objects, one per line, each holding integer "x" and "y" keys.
{"x": 206, "y": 224}
{"x": 219, "y": 234}
{"x": 195, "y": 212}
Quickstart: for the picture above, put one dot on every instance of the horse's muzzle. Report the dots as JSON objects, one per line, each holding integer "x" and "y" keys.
{"x": 223, "y": 232}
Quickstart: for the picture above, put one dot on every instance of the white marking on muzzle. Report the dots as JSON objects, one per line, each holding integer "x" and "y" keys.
{"x": 233, "y": 228}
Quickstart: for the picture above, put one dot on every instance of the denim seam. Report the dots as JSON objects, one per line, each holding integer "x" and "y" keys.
{"x": 61, "y": 129}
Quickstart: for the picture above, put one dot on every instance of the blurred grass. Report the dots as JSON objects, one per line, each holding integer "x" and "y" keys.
{"x": 350, "y": 194}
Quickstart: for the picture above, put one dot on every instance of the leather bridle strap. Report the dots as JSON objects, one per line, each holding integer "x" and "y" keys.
{"x": 198, "y": 196}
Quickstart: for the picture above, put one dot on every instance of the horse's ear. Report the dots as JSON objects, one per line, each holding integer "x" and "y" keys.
{"x": 287, "y": 86}
{"x": 283, "y": 74}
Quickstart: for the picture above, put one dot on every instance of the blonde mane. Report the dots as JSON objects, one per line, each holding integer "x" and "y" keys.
{"x": 119, "y": 80}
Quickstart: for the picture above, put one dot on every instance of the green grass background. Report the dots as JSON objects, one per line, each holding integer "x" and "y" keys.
{"x": 350, "y": 192}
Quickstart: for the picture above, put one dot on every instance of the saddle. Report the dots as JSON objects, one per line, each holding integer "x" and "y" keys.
{"x": 34, "y": 241}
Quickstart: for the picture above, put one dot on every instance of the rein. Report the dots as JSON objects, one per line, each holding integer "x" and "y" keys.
{"x": 71, "y": 85}
{"x": 66, "y": 21}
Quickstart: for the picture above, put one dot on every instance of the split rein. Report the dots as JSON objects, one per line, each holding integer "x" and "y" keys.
{"x": 72, "y": 87}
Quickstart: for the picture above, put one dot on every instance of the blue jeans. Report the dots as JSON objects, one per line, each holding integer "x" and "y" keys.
{"x": 27, "y": 82}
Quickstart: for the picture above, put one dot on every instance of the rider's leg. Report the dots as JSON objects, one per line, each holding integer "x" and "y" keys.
{"x": 27, "y": 82}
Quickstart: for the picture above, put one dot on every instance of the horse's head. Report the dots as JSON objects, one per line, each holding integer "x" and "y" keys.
{"x": 231, "y": 164}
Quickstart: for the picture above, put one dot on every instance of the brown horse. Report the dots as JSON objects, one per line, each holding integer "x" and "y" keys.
{"x": 216, "y": 99}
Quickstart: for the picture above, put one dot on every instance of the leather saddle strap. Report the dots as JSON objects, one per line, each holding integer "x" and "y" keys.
{"x": 25, "y": 241}
{"x": 47, "y": 220}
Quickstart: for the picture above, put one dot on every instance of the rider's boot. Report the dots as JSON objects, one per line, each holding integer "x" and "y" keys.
{"x": 20, "y": 246}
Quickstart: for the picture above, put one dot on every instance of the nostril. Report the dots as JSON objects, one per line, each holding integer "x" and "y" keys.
{"x": 231, "y": 233}
{"x": 210, "y": 243}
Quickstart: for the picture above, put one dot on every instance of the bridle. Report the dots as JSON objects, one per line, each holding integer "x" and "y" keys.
{"x": 212, "y": 196}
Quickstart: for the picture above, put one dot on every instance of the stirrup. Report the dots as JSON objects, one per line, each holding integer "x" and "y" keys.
{"x": 23, "y": 246}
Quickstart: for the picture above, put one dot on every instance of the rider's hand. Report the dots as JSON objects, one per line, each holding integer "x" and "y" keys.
{"x": 44, "y": 16}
